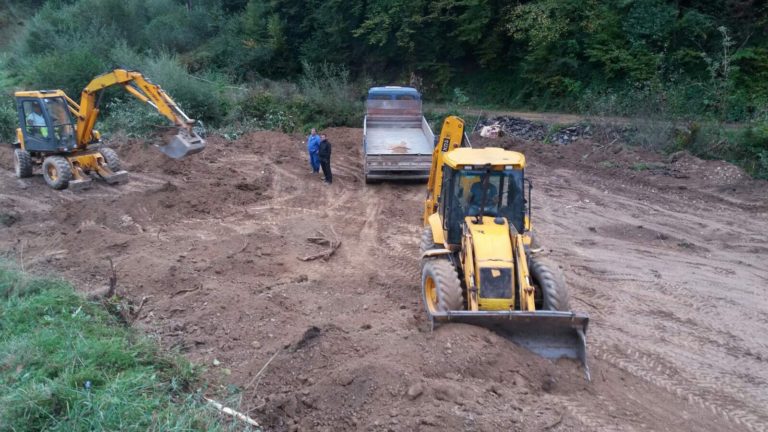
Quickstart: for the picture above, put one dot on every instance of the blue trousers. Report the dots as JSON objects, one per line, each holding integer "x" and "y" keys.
{"x": 314, "y": 161}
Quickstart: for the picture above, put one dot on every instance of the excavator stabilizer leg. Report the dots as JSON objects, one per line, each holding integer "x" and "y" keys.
{"x": 183, "y": 144}
{"x": 550, "y": 334}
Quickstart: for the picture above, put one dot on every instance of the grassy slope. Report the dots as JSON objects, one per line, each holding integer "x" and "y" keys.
{"x": 68, "y": 365}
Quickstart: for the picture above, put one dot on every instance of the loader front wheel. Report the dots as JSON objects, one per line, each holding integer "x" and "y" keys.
{"x": 548, "y": 278}
{"x": 111, "y": 158}
{"x": 57, "y": 172}
{"x": 427, "y": 240}
{"x": 441, "y": 287}
{"x": 22, "y": 163}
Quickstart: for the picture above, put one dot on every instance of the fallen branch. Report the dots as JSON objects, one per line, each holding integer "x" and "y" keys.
{"x": 323, "y": 239}
{"x": 233, "y": 413}
{"x": 258, "y": 374}
{"x": 324, "y": 255}
{"x": 319, "y": 240}
{"x": 187, "y": 290}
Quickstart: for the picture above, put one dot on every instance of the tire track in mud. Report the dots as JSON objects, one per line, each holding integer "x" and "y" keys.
{"x": 704, "y": 386}
{"x": 658, "y": 373}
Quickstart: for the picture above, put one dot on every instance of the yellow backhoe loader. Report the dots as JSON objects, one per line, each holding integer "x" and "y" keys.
{"x": 478, "y": 265}
{"x": 57, "y": 132}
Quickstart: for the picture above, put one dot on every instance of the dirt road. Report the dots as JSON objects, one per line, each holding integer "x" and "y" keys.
{"x": 670, "y": 262}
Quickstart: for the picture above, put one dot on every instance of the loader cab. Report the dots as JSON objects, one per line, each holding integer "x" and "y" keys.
{"x": 45, "y": 122}
{"x": 481, "y": 189}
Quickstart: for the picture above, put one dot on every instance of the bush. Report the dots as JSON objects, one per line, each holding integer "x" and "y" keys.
{"x": 131, "y": 117}
{"x": 328, "y": 97}
{"x": 8, "y": 120}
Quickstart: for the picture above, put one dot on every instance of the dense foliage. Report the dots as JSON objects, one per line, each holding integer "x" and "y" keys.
{"x": 703, "y": 59}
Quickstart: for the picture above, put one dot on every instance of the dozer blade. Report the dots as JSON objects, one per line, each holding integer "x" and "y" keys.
{"x": 550, "y": 334}
{"x": 183, "y": 144}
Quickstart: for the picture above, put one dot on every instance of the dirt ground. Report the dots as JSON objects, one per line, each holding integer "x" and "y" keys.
{"x": 668, "y": 257}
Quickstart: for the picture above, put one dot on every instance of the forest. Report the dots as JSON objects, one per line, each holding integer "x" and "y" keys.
{"x": 289, "y": 64}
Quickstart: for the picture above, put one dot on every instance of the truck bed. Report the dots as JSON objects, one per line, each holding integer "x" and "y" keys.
{"x": 397, "y": 141}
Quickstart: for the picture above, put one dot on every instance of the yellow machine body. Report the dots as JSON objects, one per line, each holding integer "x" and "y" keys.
{"x": 478, "y": 266}
{"x": 52, "y": 125}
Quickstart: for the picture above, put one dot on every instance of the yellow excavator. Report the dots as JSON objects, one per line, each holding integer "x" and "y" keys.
{"x": 479, "y": 262}
{"x": 57, "y": 132}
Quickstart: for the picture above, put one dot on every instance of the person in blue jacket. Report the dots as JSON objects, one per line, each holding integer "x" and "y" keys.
{"x": 313, "y": 147}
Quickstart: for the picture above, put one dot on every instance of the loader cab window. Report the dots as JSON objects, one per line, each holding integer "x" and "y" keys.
{"x": 47, "y": 120}
{"x": 479, "y": 192}
{"x": 34, "y": 119}
{"x": 61, "y": 120}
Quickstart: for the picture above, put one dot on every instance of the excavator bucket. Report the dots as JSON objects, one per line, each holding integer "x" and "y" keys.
{"x": 183, "y": 144}
{"x": 550, "y": 334}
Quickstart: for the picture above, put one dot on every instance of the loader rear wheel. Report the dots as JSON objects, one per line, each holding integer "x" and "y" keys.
{"x": 441, "y": 287}
{"x": 111, "y": 158}
{"x": 22, "y": 163}
{"x": 548, "y": 278}
{"x": 427, "y": 240}
{"x": 57, "y": 172}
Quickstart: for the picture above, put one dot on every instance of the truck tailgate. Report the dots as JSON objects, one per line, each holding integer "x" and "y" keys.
{"x": 397, "y": 166}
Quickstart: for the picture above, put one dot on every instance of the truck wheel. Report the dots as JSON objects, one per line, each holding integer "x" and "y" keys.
{"x": 22, "y": 163}
{"x": 548, "y": 278}
{"x": 440, "y": 286}
{"x": 111, "y": 158}
{"x": 57, "y": 172}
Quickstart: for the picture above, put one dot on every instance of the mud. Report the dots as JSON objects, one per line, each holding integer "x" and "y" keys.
{"x": 667, "y": 255}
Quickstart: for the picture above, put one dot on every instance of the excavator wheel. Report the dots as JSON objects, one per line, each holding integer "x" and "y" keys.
{"x": 550, "y": 280}
{"x": 22, "y": 163}
{"x": 111, "y": 158}
{"x": 427, "y": 240}
{"x": 57, "y": 172}
{"x": 441, "y": 287}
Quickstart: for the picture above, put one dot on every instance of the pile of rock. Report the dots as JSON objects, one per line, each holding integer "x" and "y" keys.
{"x": 514, "y": 126}
{"x": 570, "y": 134}
{"x": 531, "y": 131}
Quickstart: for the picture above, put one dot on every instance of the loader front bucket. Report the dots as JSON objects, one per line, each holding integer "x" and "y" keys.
{"x": 185, "y": 143}
{"x": 550, "y": 334}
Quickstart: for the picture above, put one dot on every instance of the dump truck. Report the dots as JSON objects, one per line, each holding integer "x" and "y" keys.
{"x": 397, "y": 140}
{"x": 478, "y": 262}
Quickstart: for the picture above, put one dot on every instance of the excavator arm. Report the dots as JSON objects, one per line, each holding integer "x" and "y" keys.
{"x": 186, "y": 142}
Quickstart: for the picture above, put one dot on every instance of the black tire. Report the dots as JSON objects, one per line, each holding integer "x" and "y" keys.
{"x": 57, "y": 172}
{"x": 548, "y": 278}
{"x": 371, "y": 181}
{"x": 440, "y": 286}
{"x": 427, "y": 241}
{"x": 22, "y": 163}
{"x": 111, "y": 158}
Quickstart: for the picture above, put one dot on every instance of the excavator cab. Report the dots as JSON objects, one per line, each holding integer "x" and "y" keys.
{"x": 46, "y": 123}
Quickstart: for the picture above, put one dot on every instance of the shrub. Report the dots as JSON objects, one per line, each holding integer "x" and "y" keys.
{"x": 8, "y": 120}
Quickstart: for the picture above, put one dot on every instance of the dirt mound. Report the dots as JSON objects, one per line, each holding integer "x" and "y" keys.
{"x": 213, "y": 244}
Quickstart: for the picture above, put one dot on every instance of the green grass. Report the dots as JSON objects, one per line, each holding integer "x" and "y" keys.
{"x": 66, "y": 364}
